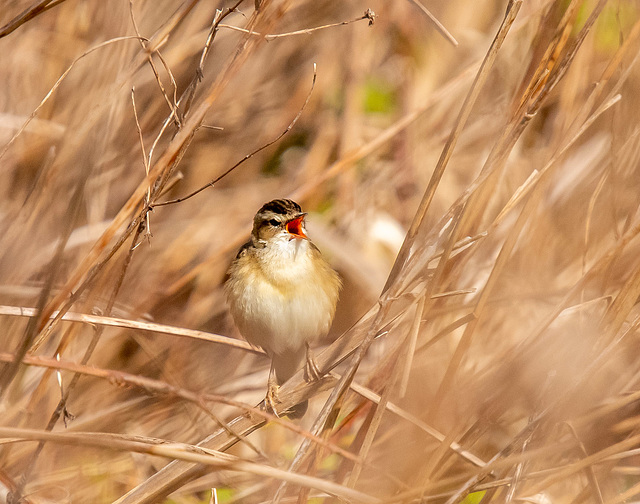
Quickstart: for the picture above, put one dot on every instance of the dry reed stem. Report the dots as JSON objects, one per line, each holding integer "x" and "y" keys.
{"x": 562, "y": 266}
{"x": 483, "y": 297}
{"x": 332, "y": 404}
{"x": 439, "y": 26}
{"x": 27, "y": 15}
{"x": 61, "y": 409}
{"x": 138, "y": 325}
{"x": 90, "y": 264}
{"x": 319, "y": 424}
{"x": 182, "y": 451}
{"x": 535, "y": 93}
{"x": 447, "y": 151}
{"x": 368, "y": 15}
{"x": 293, "y": 392}
{"x": 160, "y": 388}
{"x": 306, "y": 189}
{"x": 251, "y": 154}
{"x": 373, "y": 426}
{"x": 53, "y": 89}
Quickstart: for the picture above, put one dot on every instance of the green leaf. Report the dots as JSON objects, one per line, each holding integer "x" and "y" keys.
{"x": 379, "y": 97}
{"x": 614, "y": 23}
{"x": 474, "y": 498}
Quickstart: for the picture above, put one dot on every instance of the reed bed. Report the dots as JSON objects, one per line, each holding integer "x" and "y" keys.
{"x": 471, "y": 169}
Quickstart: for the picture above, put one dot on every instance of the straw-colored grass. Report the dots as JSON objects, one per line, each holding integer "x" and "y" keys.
{"x": 470, "y": 168}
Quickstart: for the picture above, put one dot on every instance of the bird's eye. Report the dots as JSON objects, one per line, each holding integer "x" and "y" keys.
{"x": 274, "y": 223}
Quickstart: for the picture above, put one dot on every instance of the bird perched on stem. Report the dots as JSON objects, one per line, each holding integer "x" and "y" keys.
{"x": 282, "y": 293}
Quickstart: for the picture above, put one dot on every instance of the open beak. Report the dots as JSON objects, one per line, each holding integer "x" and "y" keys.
{"x": 294, "y": 227}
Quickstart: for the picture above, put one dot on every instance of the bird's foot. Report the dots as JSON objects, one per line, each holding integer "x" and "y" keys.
{"x": 312, "y": 372}
{"x": 271, "y": 400}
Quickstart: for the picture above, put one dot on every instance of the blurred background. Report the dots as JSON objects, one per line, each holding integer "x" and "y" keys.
{"x": 510, "y": 330}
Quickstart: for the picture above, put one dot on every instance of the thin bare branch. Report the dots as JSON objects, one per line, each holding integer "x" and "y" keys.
{"x": 439, "y": 26}
{"x": 28, "y": 14}
{"x": 136, "y": 325}
{"x": 251, "y": 154}
{"x": 368, "y": 15}
{"x": 447, "y": 151}
{"x": 143, "y": 44}
{"x": 184, "y": 452}
{"x": 57, "y": 85}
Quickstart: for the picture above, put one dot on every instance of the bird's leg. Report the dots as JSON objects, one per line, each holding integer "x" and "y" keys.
{"x": 311, "y": 369}
{"x": 271, "y": 399}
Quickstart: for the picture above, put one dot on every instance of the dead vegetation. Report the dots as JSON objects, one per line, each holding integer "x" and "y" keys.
{"x": 479, "y": 200}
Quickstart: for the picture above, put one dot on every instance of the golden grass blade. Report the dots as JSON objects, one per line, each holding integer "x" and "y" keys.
{"x": 463, "y": 115}
{"x": 184, "y": 452}
{"x": 516, "y": 297}
{"x": 439, "y": 26}
{"x": 19, "y": 311}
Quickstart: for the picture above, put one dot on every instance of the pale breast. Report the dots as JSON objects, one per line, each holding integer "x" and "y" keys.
{"x": 285, "y": 304}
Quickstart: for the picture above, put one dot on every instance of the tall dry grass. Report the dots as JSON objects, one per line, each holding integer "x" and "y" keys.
{"x": 479, "y": 200}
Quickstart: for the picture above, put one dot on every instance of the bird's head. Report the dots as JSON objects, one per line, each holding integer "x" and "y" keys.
{"x": 280, "y": 219}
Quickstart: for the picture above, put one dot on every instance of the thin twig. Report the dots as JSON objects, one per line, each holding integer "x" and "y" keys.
{"x": 174, "y": 85}
{"x": 439, "y": 26}
{"x": 144, "y": 44}
{"x": 139, "y": 129}
{"x": 369, "y": 15}
{"x": 61, "y": 409}
{"x": 251, "y": 154}
{"x": 57, "y": 84}
{"x": 27, "y": 15}
{"x": 137, "y": 325}
{"x": 411, "y": 346}
{"x": 447, "y": 151}
{"x": 190, "y": 91}
{"x": 185, "y": 452}
{"x": 157, "y": 387}
{"x": 147, "y": 222}
{"x": 95, "y": 259}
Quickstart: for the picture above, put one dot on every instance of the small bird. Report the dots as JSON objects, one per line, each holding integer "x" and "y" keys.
{"x": 282, "y": 293}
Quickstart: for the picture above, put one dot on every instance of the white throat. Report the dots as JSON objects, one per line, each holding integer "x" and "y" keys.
{"x": 285, "y": 260}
